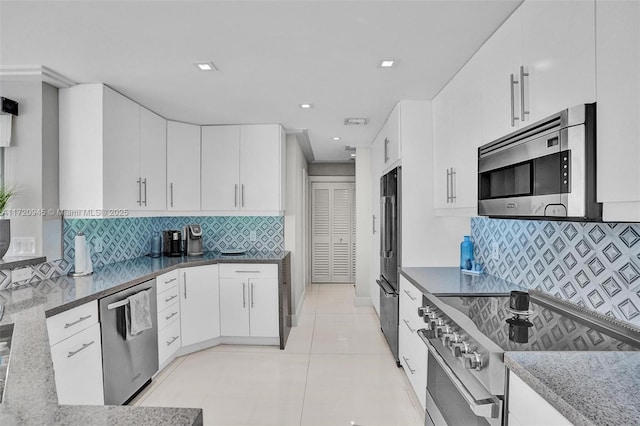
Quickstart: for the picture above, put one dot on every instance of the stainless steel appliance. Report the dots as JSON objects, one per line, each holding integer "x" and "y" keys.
{"x": 172, "y": 242}
{"x": 467, "y": 336}
{"x": 127, "y": 364}
{"x": 193, "y": 240}
{"x": 390, "y": 209}
{"x": 547, "y": 169}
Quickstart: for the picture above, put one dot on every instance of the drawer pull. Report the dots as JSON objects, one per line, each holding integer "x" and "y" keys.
{"x": 248, "y": 272}
{"x": 171, "y": 280}
{"x": 408, "y": 326}
{"x": 171, "y": 298}
{"x": 171, "y": 316}
{"x": 406, "y": 361}
{"x": 172, "y": 340}
{"x": 410, "y": 295}
{"x": 84, "y": 346}
{"x": 71, "y": 324}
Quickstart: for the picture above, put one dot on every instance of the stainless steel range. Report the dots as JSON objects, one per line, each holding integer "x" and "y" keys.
{"x": 468, "y": 336}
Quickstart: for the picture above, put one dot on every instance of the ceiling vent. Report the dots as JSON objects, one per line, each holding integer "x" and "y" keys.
{"x": 356, "y": 121}
{"x": 350, "y": 148}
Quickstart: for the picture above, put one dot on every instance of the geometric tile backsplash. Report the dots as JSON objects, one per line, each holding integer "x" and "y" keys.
{"x": 596, "y": 265}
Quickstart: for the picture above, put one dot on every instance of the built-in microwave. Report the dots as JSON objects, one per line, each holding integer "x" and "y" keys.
{"x": 545, "y": 170}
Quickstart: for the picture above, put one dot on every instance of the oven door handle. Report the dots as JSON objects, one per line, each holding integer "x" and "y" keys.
{"x": 489, "y": 409}
{"x": 386, "y": 288}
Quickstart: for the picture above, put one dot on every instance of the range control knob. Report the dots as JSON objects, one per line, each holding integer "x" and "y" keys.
{"x": 441, "y": 328}
{"x": 472, "y": 361}
{"x": 459, "y": 348}
{"x": 429, "y": 317}
{"x": 423, "y": 311}
{"x": 450, "y": 338}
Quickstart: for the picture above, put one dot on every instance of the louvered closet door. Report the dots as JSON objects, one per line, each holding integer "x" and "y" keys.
{"x": 333, "y": 232}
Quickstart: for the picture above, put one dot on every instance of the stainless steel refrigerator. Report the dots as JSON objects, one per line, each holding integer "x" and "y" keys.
{"x": 390, "y": 208}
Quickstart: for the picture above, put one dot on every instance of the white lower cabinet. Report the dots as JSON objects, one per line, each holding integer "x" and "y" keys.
{"x": 199, "y": 304}
{"x": 77, "y": 365}
{"x": 411, "y": 349}
{"x": 168, "y": 295}
{"x": 249, "y": 300}
{"x": 168, "y": 342}
{"x": 527, "y": 408}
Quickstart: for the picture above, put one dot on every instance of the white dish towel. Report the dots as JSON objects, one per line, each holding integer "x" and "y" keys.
{"x": 138, "y": 313}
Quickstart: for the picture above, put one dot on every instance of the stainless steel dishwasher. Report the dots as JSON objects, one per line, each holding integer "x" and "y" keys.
{"x": 127, "y": 364}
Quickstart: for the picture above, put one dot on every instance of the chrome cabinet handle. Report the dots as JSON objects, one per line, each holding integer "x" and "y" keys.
{"x": 374, "y": 224}
{"x": 84, "y": 346}
{"x": 171, "y": 316}
{"x": 247, "y": 272}
{"x": 410, "y": 295}
{"x": 171, "y": 192}
{"x": 171, "y": 298}
{"x": 184, "y": 275}
{"x": 244, "y": 295}
{"x": 242, "y": 195}
{"x": 71, "y": 324}
{"x": 413, "y": 330}
{"x": 144, "y": 182}
{"x": 448, "y": 196}
{"x": 513, "y": 82}
{"x": 453, "y": 185}
{"x": 523, "y": 74}
{"x": 406, "y": 361}
{"x": 171, "y": 280}
{"x": 172, "y": 340}
{"x": 386, "y": 149}
{"x": 252, "y": 295}
{"x": 235, "y": 193}
{"x": 139, "y": 182}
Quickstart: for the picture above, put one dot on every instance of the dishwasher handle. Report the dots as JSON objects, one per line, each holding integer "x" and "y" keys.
{"x": 123, "y": 302}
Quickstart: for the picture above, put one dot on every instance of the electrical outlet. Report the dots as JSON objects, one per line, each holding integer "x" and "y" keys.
{"x": 252, "y": 236}
{"x": 495, "y": 252}
{"x": 97, "y": 245}
{"x": 23, "y": 246}
{"x": 22, "y": 274}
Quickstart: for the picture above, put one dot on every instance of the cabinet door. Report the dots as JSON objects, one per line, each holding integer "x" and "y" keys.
{"x": 220, "y": 167}
{"x": 121, "y": 141}
{"x": 199, "y": 304}
{"x": 376, "y": 171}
{"x": 618, "y": 138}
{"x": 234, "y": 307}
{"x": 264, "y": 307}
{"x": 500, "y": 57}
{"x": 558, "y": 46}
{"x": 530, "y": 409}
{"x": 442, "y": 147}
{"x": 153, "y": 160}
{"x": 183, "y": 166}
{"x": 392, "y": 145}
{"x": 77, "y": 363}
{"x": 261, "y": 169}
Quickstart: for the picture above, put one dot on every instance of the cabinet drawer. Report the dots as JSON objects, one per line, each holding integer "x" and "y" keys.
{"x": 77, "y": 364}
{"x": 413, "y": 358}
{"x": 410, "y": 301}
{"x": 168, "y": 341}
{"x": 168, "y": 298}
{"x": 166, "y": 281}
{"x": 70, "y": 322}
{"x": 168, "y": 315}
{"x": 248, "y": 270}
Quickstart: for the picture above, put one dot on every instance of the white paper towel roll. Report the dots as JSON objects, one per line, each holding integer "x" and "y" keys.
{"x": 80, "y": 261}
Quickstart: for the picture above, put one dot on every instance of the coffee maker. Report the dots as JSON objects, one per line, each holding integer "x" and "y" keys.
{"x": 193, "y": 238}
{"x": 172, "y": 242}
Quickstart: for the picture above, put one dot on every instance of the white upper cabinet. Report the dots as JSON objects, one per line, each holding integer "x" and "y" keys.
{"x": 457, "y": 131}
{"x": 618, "y": 84}
{"x": 243, "y": 168}
{"x": 391, "y": 143}
{"x": 183, "y": 166}
{"x": 111, "y": 151}
{"x": 540, "y": 61}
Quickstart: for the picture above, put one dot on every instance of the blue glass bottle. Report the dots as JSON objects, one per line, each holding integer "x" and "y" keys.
{"x": 466, "y": 252}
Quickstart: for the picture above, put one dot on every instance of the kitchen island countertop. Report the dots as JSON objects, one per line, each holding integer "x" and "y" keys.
{"x": 29, "y": 393}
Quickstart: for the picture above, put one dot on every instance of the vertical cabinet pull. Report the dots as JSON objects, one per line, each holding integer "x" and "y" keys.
{"x": 448, "y": 187}
{"x": 453, "y": 185}
{"x": 251, "y": 295}
{"x": 374, "y": 223}
{"x": 235, "y": 194}
{"x": 144, "y": 182}
{"x": 513, "y": 82}
{"x": 242, "y": 195}
{"x": 139, "y": 182}
{"x": 523, "y": 74}
{"x": 244, "y": 295}
{"x": 184, "y": 276}
{"x": 386, "y": 149}
{"x": 171, "y": 193}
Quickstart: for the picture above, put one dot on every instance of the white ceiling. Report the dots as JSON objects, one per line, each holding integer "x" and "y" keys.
{"x": 271, "y": 56}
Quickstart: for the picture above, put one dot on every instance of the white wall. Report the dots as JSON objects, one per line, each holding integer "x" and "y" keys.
{"x": 31, "y": 163}
{"x": 363, "y": 227}
{"x": 294, "y": 231}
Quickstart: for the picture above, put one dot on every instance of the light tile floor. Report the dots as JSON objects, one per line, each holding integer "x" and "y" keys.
{"x": 336, "y": 369}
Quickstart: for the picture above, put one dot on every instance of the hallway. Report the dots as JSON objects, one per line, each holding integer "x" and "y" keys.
{"x": 336, "y": 369}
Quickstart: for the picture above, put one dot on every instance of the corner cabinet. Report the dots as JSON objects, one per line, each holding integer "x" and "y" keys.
{"x": 199, "y": 304}
{"x": 112, "y": 151}
{"x": 539, "y": 62}
{"x": 618, "y": 109}
{"x": 527, "y": 408}
{"x": 183, "y": 166}
{"x": 245, "y": 168}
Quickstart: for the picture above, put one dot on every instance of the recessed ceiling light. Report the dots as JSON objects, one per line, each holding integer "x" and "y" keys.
{"x": 388, "y": 63}
{"x": 306, "y": 106}
{"x": 205, "y": 66}
{"x": 353, "y": 155}
{"x": 336, "y": 138}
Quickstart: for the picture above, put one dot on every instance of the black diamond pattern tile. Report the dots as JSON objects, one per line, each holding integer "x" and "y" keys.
{"x": 629, "y": 236}
{"x": 596, "y": 234}
{"x": 629, "y": 272}
{"x": 611, "y": 287}
{"x": 611, "y": 252}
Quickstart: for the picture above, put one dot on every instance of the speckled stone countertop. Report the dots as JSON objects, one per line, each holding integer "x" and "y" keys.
{"x": 450, "y": 281}
{"x": 588, "y": 388}
{"x": 30, "y": 395}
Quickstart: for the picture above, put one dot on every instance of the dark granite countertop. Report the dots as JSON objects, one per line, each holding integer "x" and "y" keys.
{"x": 29, "y": 392}
{"x": 588, "y": 388}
